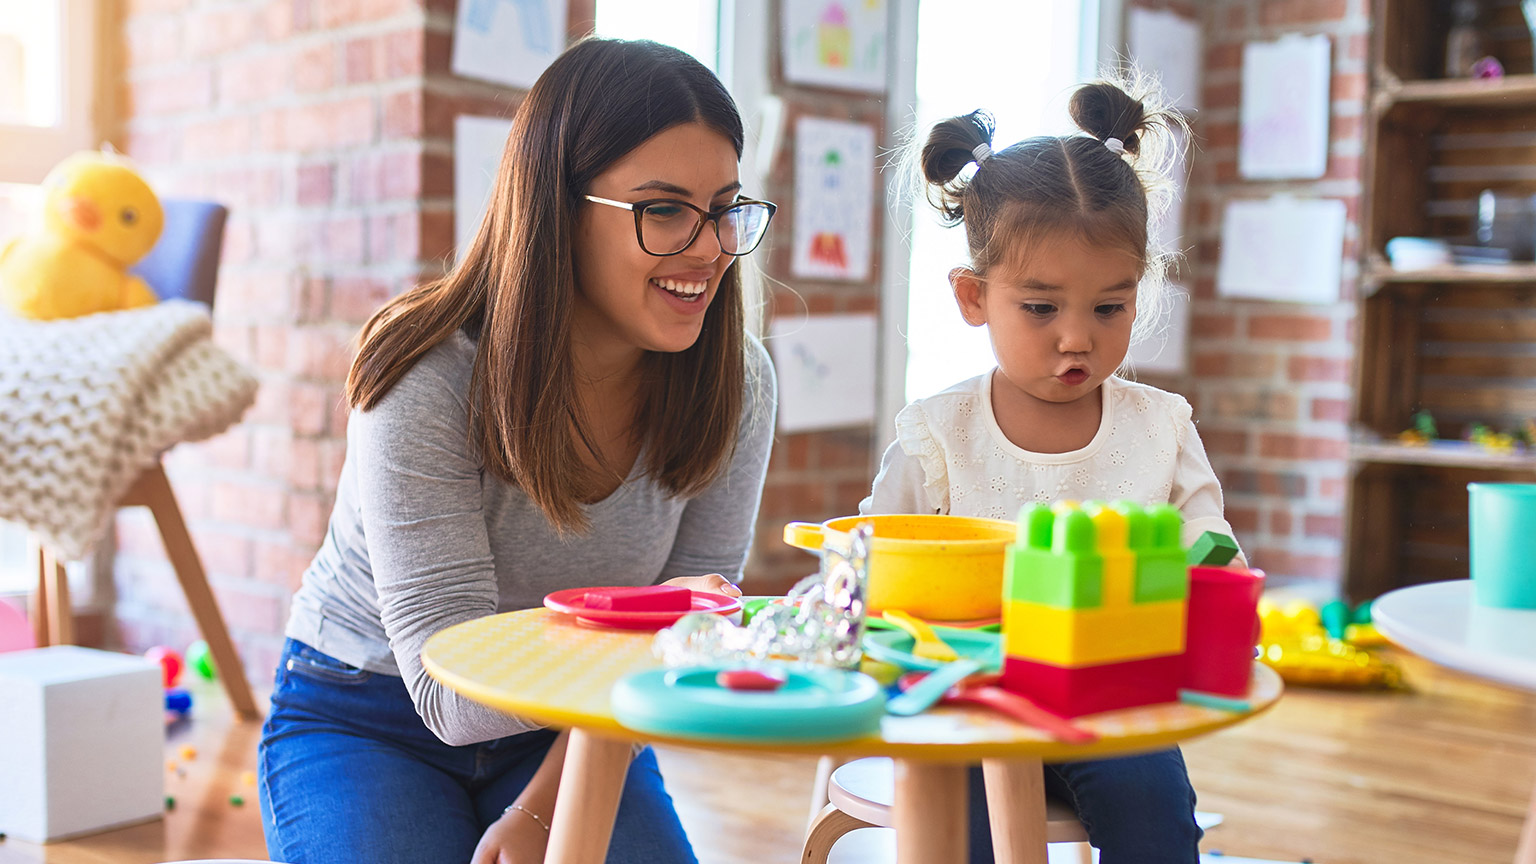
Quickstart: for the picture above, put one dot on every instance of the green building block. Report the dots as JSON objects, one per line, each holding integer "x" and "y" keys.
{"x": 1212, "y": 550}
{"x": 1055, "y": 563}
{"x": 1162, "y": 573}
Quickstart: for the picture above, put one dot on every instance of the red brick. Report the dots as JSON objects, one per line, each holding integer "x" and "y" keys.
{"x": 1223, "y": 56}
{"x": 220, "y": 30}
{"x": 225, "y": 554}
{"x": 230, "y": 450}
{"x": 1244, "y": 520}
{"x": 252, "y": 504}
{"x": 1349, "y": 87}
{"x": 1286, "y": 446}
{"x": 1337, "y": 410}
{"x": 316, "y": 184}
{"x": 363, "y": 60}
{"x": 319, "y": 353}
{"x": 1318, "y": 369}
{"x": 1274, "y": 13}
{"x": 1221, "y": 95}
{"x": 189, "y": 88}
{"x": 437, "y": 239}
{"x": 1225, "y": 442}
{"x": 313, "y": 70}
{"x": 405, "y": 53}
{"x": 310, "y": 407}
{"x": 245, "y": 609}
{"x": 355, "y": 300}
{"x": 279, "y": 564}
{"x": 271, "y": 451}
{"x": 1280, "y": 523}
{"x": 333, "y": 14}
{"x": 309, "y": 514}
{"x": 1323, "y": 526}
{"x": 1331, "y": 489}
{"x": 1221, "y": 135}
{"x": 1295, "y": 328}
{"x": 1234, "y": 365}
{"x": 403, "y": 115}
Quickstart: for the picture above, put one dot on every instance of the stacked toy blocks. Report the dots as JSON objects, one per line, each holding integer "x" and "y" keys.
{"x": 1094, "y": 603}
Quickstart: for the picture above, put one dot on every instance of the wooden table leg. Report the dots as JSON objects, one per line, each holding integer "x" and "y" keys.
{"x": 929, "y": 813}
{"x": 590, "y": 785}
{"x": 1526, "y": 854}
{"x": 1016, "y": 809}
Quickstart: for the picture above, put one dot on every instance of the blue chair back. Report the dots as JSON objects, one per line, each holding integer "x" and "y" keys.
{"x": 184, "y": 264}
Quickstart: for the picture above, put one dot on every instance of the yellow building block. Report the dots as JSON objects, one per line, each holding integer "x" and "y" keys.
{"x": 1088, "y": 637}
{"x": 1112, "y": 533}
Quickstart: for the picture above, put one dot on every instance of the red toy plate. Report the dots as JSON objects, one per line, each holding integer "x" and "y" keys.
{"x": 571, "y": 601}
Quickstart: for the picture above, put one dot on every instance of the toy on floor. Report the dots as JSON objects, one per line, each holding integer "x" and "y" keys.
{"x": 1422, "y": 433}
{"x": 99, "y": 218}
{"x": 1297, "y": 645}
{"x": 169, "y": 661}
{"x": 200, "y": 660}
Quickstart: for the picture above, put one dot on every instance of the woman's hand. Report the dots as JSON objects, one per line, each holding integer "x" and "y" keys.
{"x": 515, "y": 838}
{"x": 714, "y": 583}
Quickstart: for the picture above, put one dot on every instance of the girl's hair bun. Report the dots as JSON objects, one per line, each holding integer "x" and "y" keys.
{"x": 951, "y": 146}
{"x": 1104, "y": 110}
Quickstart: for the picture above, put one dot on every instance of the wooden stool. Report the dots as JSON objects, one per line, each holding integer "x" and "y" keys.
{"x": 860, "y": 795}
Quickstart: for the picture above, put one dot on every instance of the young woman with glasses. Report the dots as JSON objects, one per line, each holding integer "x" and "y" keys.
{"x": 578, "y": 402}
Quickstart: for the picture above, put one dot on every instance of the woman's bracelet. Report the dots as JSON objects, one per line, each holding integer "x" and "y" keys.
{"x": 532, "y": 815}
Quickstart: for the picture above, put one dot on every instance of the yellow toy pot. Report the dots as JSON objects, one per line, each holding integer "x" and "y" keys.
{"x": 938, "y": 568}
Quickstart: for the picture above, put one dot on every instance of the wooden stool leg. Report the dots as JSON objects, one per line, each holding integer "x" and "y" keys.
{"x": 590, "y": 785}
{"x": 153, "y": 489}
{"x": 1016, "y": 809}
{"x": 39, "y": 611}
{"x": 828, "y": 826}
{"x": 61, "y": 612}
{"x": 930, "y": 813}
{"x": 824, "y": 768}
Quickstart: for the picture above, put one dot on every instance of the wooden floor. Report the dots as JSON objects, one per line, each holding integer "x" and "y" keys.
{"x": 1443, "y": 774}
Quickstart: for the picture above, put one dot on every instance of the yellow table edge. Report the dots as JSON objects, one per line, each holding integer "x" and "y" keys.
{"x": 1265, "y": 692}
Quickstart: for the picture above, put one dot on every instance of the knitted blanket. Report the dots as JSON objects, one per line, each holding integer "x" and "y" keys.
{"x": 88, "y": 403}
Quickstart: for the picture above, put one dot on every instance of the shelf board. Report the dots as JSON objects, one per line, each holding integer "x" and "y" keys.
{"x": 1483, "y": 274}
{"x": 1511, "y": 91}
{"x": 1450, "y": 454}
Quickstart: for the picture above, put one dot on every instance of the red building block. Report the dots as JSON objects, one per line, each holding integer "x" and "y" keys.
{"x": 1091, "y": 689}
{"x": 1223, "y": 616}
{"x": 646, "y": 598}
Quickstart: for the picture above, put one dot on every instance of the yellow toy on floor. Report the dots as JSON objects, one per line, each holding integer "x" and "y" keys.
{"x": 99, "y": 217}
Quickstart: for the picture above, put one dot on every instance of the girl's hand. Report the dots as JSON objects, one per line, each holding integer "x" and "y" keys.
{"x": 515, "y": 838}
{"x": 714, "y": 583}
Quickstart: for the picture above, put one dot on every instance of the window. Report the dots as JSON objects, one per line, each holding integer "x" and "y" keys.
{"x": 665, "y": 21}
{"x": 51, "y": 59}
{"x": 1017, "y": 61}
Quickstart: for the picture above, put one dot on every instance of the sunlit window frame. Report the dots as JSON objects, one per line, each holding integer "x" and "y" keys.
{"x": 87, "y": 116}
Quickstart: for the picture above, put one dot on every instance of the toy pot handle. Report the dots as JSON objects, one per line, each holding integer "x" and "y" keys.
{"x": 804, "y": 535}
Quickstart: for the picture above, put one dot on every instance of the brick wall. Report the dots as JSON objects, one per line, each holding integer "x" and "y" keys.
{"x": 1270, "y": 381}
{"x": 326, "y": 127}
{"x": 813, "y": 476}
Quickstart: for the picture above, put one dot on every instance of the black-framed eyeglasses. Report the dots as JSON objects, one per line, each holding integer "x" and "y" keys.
{"x": 667, "y": 226}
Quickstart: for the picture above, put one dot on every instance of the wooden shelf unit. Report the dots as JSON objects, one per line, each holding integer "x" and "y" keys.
{"x": 1458, "y": 341}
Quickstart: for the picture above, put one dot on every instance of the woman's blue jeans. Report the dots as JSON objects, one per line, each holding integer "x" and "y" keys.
{"x": 349, "y": 773}
{"x": 1136, "y": 809}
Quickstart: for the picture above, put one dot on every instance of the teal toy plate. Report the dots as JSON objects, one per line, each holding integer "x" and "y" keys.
{"x": 813, "y": 705}
{"x": 895, "y": 647}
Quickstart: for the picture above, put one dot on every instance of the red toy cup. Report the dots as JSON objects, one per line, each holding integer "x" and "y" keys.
{"x": 1223, "y": 616}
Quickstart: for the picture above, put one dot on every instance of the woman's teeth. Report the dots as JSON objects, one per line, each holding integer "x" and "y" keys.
{"x": 680, "y": 289}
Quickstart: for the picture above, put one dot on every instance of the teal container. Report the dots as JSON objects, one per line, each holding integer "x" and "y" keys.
{"x": 1502, "y": 531}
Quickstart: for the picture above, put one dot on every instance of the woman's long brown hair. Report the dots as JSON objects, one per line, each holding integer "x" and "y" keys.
{"x": 514, "y": 289}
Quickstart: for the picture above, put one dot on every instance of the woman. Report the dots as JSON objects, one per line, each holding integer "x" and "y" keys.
{"x": 577, "y": 403}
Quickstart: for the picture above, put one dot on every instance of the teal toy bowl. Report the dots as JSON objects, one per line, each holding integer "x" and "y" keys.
{"x": 1502, "y": 525}
{"x": 813, "y": 705}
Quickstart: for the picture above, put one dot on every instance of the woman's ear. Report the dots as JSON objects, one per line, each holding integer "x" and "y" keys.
{"x": 968, "y": 289}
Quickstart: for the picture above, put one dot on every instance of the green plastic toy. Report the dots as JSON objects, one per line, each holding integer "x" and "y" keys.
{"x": 1212, "y": 550}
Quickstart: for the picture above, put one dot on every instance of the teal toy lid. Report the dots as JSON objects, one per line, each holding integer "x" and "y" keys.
{"x": 812, "y": 705}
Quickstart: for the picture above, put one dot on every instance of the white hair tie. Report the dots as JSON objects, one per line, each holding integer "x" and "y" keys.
{"x": 982, "y": 152}
{"x": 1115, "y": 145}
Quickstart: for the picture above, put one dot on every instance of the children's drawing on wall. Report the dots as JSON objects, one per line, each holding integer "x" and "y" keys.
{"x": 834, "y": 197}
{"x": 835, "y": 43}
{"x": 1284, "y": 113}
{"x": 477, "y": 146}
{"x": 507, "y": 41}
{"x": 826, "y": 370}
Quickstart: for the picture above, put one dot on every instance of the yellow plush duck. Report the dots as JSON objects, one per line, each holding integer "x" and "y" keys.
{"x": 99, "y": 217}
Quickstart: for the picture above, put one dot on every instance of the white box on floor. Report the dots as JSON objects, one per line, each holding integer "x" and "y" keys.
{"x": 82, "y": 742}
